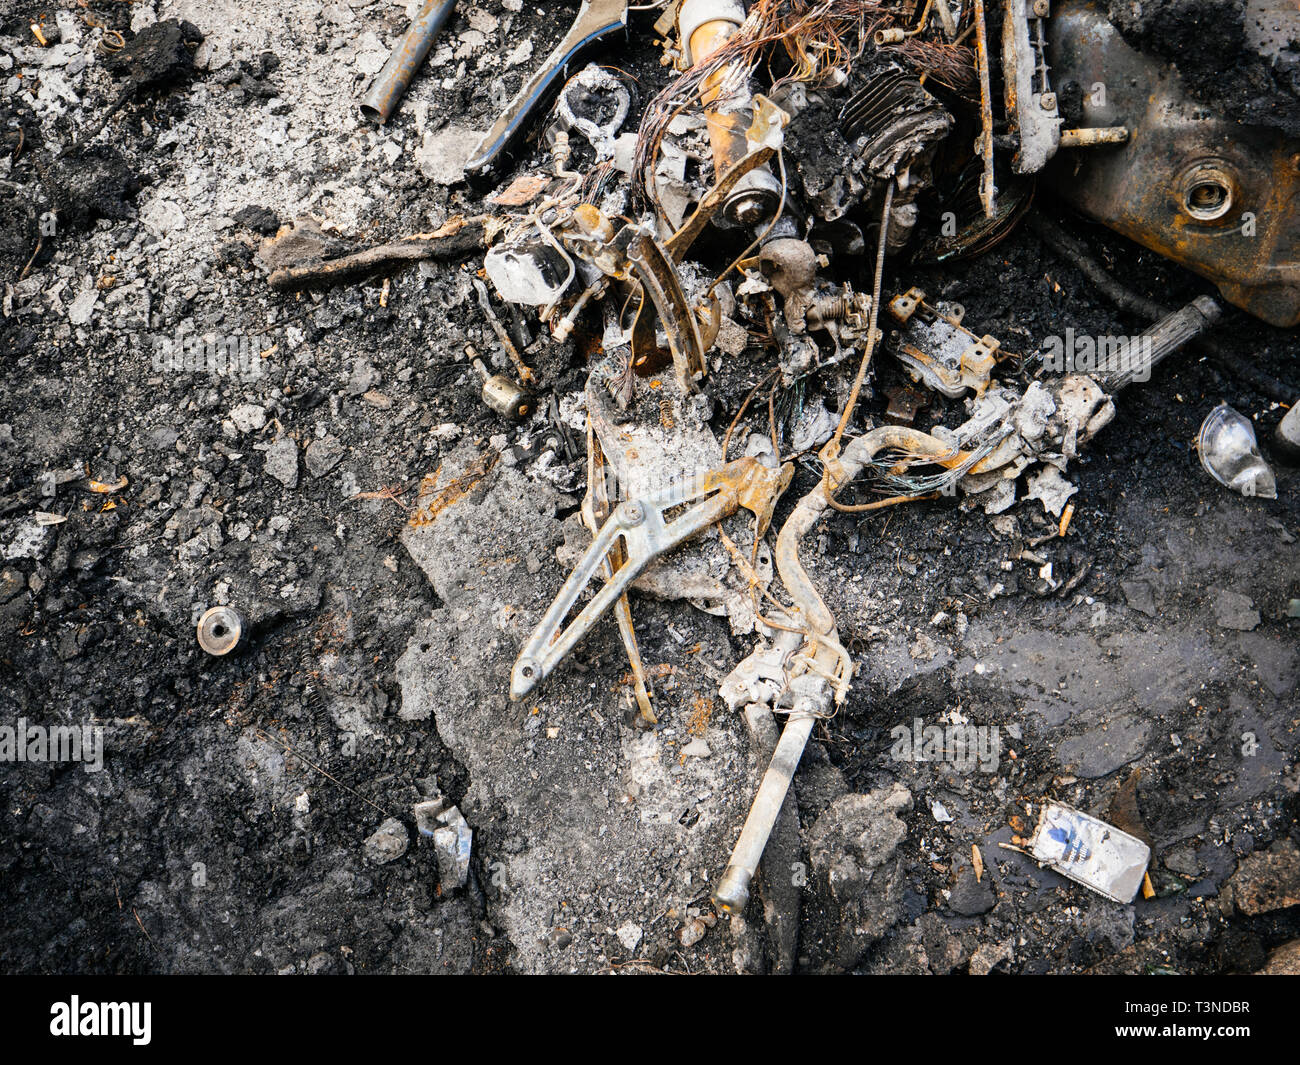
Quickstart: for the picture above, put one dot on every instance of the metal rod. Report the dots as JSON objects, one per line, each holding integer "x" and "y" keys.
{"x": 733, "y": 889}
{"x": 1093, "y": 136}
{"x": 387, "y": 90}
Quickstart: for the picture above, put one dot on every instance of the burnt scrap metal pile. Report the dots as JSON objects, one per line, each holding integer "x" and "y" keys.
{"x": 748, "y": 211}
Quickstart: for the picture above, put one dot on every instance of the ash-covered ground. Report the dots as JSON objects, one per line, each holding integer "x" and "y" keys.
{"x": 390, "y": 543}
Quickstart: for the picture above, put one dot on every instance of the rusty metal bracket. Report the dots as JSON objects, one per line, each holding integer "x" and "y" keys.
{"x": 663, "y": 298}
{"x": 937, "y": 350}
{"x": 988, "y": 189}
{"x": 1032, "y": 107}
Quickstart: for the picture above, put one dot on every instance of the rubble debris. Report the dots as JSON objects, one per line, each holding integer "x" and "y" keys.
{"x": 685, "y": 255}
{"x": 1284, "y": 961}
{"x": 322, "y": 455}
{"x": 442, "y": 823}
{"x": 160, "y": 56}
{"x": 258, "y": 218}
{"x": 1229, "y": 453}
{"x": 970, "y": 895}
{"x": 852, "y": 851}
{"x": 456, "y": 239}
{"x": 220, "y": 630}
{"x": 101, "y": 184}
{"x": 1050, "y": 489}
{"x": 390, "y": 84}
{"x": 692, "y": 932}
{"x": 988, "y": 956}
{"x": 629, "y": 934}
{"x": 387, "y": 843}
{"x": 1268, "y": 880}
{"x": 1235, "y": 611}
{"x": 1090, "y": 852}
{"x": 282, "y": 461}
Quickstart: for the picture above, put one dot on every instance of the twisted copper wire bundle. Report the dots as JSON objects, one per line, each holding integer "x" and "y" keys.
{"x": 819, "y": 37}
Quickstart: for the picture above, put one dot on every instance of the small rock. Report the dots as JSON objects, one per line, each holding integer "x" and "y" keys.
{"x": 1268, "y": 880}
{"x": 1285, "y": 961}
{"x": 259, "y": 219}
{"x": 1140, "y": 597}
{"x": 248, "y": 417}
{"x": 304, "y": 242}
{"x": 364, "y": 378}
{"x": 629, "y": 934}
{"x": 1232, "y": 610}
{"x": 443, "y": 155}
{"x": 697, "y": 748}
{"x": 851, "y": 849}
{"x": 82, "y": 309}
{"x": 691, "y": 932}
{"x": 971, "y": 897}
{"x": 388, "y": 842}
{"x": 323, "y": 455}
{"x": 282, "y": 462}
{"x": 11, "y": 583}
{"x": 558, "y": 938}
{"x": 988, "y": 955}
{"x": 1183, "y": 860}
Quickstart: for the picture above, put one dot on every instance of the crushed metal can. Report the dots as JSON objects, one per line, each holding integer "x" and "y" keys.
{"x": 1090, "y": 852}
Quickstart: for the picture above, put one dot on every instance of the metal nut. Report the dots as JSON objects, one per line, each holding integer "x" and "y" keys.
{"x": 219, "y": 630}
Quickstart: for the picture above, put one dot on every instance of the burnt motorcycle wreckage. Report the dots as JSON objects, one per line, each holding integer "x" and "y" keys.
{"x": 800, "y": 152}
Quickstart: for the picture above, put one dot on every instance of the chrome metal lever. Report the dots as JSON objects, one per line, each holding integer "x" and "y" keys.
{"x": 647, "y": 532}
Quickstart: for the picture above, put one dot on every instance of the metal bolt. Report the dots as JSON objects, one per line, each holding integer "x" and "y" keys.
{"x": 1047, "y": 101}
{"x": 1042, "y": 8}
{"x": 633, "y": 514}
